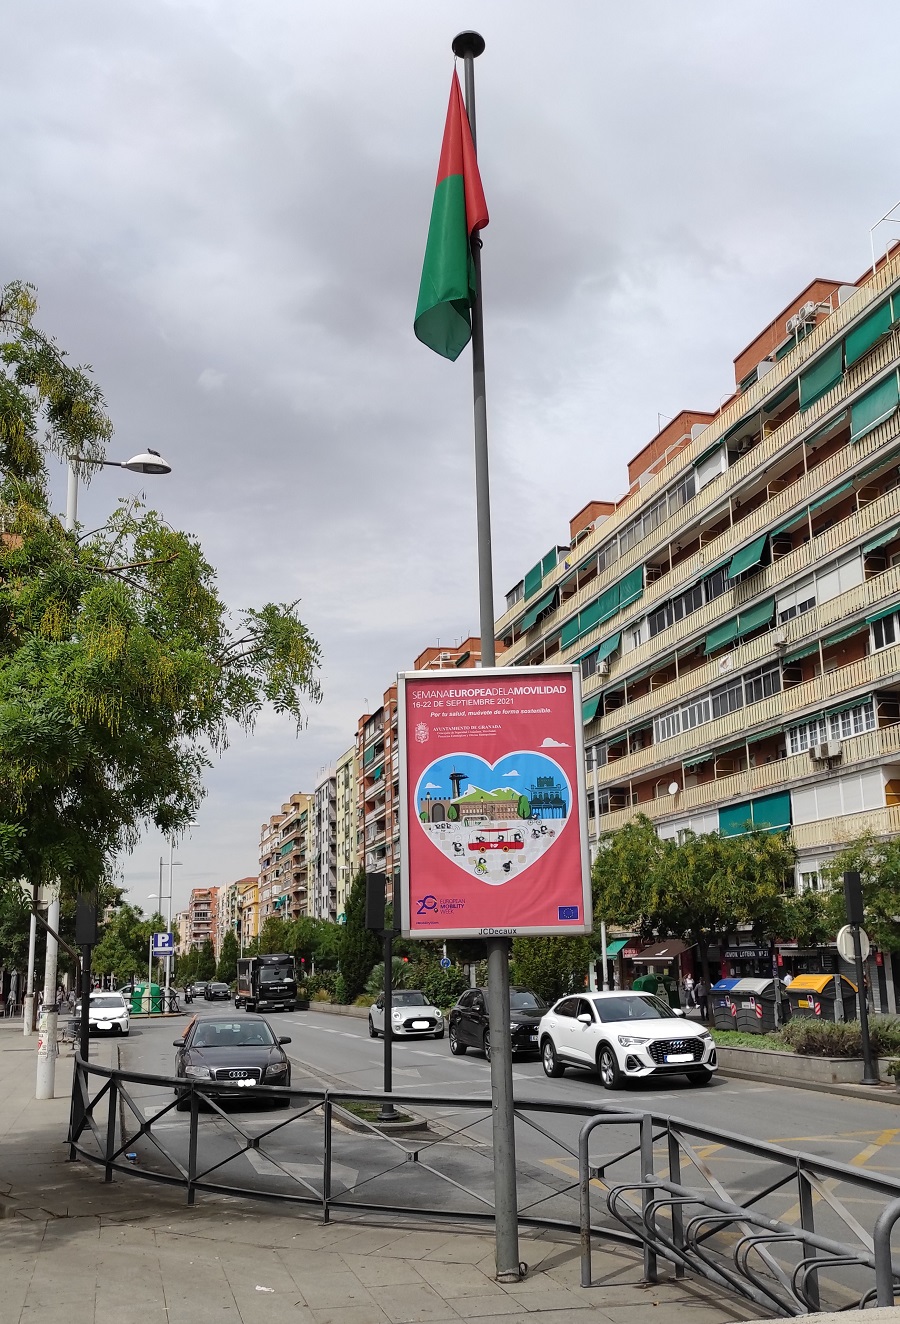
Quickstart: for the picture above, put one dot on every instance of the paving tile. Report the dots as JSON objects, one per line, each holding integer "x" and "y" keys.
{"x": 414, "y": 1245}
{"x": 474, "y": 1308}
{"x": 372, "y": 1270}
{"x": 330, "y": 1289}
{"x": 455, "y": 1280}
{"x": 413, "y": 1304}
{"x": 368, "y": 1314}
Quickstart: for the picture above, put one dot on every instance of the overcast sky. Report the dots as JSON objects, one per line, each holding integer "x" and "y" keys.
{"x": 224, "y": 208}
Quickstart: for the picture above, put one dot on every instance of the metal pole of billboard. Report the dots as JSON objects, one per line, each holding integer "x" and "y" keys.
{"x": 388, "y": 1112}
{"x": 467, "y": 46}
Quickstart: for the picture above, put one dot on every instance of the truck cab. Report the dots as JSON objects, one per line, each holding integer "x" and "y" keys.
{"x": 266, "y": 983}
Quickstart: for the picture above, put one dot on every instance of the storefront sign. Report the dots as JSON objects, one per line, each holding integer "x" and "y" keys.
{"x": 493, "y": 829}
{"x": 747, "y": 954}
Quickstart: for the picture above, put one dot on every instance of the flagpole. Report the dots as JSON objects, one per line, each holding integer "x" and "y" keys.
{"x": 467, "y": 46}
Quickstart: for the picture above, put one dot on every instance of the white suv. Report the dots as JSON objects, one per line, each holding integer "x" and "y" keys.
{"x": 624, "y": 1036}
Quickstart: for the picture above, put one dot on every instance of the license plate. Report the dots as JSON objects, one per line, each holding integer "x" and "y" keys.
{"x": 420, "y": 1025}
{"x": 679, "y": 1057}
{"x": 533, "y": 1037}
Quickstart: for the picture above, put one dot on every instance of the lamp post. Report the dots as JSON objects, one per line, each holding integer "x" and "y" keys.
{"x": 147, "y": 462}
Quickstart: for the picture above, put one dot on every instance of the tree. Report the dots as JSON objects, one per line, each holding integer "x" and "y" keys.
{"x": 551, "y": 967}
{"x": 226, "y": 970}
{"x": 359, "y": 948}
{"x": 699, "y": 889}
{"x": 206, "y": 961}
{"x": 121, "y": 672}
{"x": 124, "y": 946}
{"x": 273, "y": 935}
{"x": 523, "y": 807}
{"x": 878, "y": 865}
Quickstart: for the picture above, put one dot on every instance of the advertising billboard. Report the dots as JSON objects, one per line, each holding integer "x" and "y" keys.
{"x": 492, "y": 794}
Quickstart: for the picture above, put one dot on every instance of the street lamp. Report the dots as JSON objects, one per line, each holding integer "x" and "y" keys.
{"x": 147, "y": 462}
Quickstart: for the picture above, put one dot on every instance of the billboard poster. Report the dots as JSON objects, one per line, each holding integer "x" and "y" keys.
{"x": 492, "y": 793}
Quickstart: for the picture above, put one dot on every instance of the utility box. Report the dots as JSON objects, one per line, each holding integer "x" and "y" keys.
{"x": 138, "y": 996}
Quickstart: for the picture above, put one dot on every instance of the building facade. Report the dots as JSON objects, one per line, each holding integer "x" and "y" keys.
{"x": 323, "y": 855}
{"x": 736, "y": 615}
{"x": 202, "y": 916}
{"x": 284, "y": 846}
{"x": 345, "y": 777}
{"x": 232, "y": 898}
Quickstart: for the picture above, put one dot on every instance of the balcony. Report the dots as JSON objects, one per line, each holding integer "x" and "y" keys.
{"x": 744, "y": 406}
{"x": 882, "y": 742}
{"x": 828, "y": 831}
{"x": 844, "y": 682}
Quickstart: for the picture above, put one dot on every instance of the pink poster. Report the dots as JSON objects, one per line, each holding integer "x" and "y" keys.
{"x": 493, "y": 833}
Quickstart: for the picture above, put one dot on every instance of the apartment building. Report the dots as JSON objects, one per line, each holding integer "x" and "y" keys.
{"x": 736, "y": 615}
{"x": 228, "y": 912}
{"x": 323, "y": 853}
{"x": 345, "y": 780}
{"x": 202, "y": 916}
{"x": 181, "y": 922}
{"x": 247, "y": 920}
{"x": 378, "y": 760}
{"x": 284, "y": 852}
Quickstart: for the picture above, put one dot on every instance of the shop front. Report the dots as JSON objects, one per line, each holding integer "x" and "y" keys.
{"x": 747, "y": 961}
{"x": 669, "y": 961}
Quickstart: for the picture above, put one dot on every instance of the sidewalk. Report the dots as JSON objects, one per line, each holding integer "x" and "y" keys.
{"x": 74, "y": 1250}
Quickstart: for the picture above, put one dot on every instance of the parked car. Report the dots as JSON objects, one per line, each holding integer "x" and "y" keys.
{"x": 216, "y": 992}
{"x": 469, "y": 1026}
{"x": 244, "y": 1052}
{"x": 411, "y": 1014}
{"x": 625, "y": 1036}
{"x": 107, "y": 1013}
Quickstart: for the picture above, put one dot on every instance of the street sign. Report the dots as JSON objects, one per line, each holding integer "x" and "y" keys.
{"x": 845, "y": 943}
{"x": 445, "y": 962}
{"x": 163, "y": 944}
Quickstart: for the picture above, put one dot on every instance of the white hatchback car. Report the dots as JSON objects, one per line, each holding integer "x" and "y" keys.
{"x": 107, "y": 1013}
{"x": 624, "y": 1036}
{"x": 411, "y": 1014}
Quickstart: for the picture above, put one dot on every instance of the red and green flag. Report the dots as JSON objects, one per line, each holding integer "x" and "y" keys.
{"x": 448, "y": 288}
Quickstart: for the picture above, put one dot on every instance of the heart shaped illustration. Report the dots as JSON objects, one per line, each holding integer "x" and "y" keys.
{"x": 493, "y": 820}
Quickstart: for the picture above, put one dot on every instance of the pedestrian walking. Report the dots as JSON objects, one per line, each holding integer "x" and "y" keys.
{"x": 701, "y": 997}
{"x": 687, "y": 985}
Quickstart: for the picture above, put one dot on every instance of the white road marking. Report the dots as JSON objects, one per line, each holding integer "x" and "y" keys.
{"x": 312, "y": 1172}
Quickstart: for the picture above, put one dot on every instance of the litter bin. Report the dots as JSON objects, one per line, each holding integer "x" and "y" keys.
{"x": 724, "y": 1010}
{"x": 814, "y": 996}
{"x": 755, "y": 999}
{"x": 138, "y": 996}
{"x": 645, "y": 984}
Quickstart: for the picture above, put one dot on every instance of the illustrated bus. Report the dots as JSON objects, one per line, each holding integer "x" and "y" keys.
{"x": 496, "y": 838}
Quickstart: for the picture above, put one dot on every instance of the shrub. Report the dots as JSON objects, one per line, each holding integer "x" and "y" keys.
{"x": 402, "y": 976}
{"x": 341, "y": 993}
{"x": 321, "y": 983}
{"x": 814, "y": 1038}
{"x": 364, "y": 1000}
{"x": 443, "y": 987}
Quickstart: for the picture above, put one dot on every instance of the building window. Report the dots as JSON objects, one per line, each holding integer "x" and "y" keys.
{"x": 727, "y": 698}
{"x": 716, "y": 584}
{"x": 760, "y": 684}
{"x": 687, "y": 602}
{"x": 884, "y": 632}
{"x": 660, "y": 619}
{"x": 810, "y": 881}
{"x": 853, "y": 721}
{"x": 681, "y": 494}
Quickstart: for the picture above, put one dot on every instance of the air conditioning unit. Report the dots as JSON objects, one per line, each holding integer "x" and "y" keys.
{"x": 780, "y": 639}
{"x": 793, "y": 324}
{"x": 603, "y": 668}
{"x": 827, "y": 750}
{"x": 745, "y": 444}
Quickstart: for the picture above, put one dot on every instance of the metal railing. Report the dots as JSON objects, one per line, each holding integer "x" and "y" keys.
{"x": 758, "y": 1220}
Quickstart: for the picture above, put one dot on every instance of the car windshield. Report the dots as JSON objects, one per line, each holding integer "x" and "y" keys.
{"x": 525, "y": 1002}
{"x": 274, "y": 974}
{"x": 231, "y": 1034}
{"x": 108, "y": 1000}
{"x": 217, "y": 986}
{"x": 407, "y": 998}
{"x": 632, "y": 1007}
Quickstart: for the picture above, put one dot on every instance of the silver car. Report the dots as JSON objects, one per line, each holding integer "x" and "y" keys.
{"x": 411, "y": 1015}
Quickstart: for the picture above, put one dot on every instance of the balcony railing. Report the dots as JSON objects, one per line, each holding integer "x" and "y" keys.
{"x": 829, "y": 831}
{"x": 855, "y": 750}
{"x": 843, "y": 682}
{"x": 744, "y": 406}
{"x": 797, "y": 631}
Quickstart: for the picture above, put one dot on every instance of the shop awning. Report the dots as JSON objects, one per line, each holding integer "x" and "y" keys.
{"x": 589, "y": 708}
{"x": 536, "y": 608}
{"x": 661, "y": 953}
{"x": 615, "y": 947}
{"x": 748, "y": 557}
{"x": 887, "y": 536}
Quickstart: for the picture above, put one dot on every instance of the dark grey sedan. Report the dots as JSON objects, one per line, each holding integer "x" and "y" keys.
{"x": 244, "y": 1053}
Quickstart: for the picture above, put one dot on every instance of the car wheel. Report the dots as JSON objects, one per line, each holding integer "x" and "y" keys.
{"x": 373, "y": 1033}
{"x": 486, "y": 1045}
{"x": 608, "y": 1067}
{"x": 456, "y": 1048}
{"x": 699, "y": 1078}
{"x": 550, "y": 1062}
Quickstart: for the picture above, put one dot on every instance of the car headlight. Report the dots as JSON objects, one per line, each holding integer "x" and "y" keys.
{"x": 199, "y": 1073}
{"x": 630, "y": 1041}
{"x": 438, "y": 1016}
{"x": 705, "y": 1034}
{"x": 395, "y": 1016}
{"x": 277, "y": 1070}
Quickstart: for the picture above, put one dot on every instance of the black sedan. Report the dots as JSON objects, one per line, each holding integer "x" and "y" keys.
{"x": 244, "y": 1053}
{"x": 469, "y": 1027}
{"x": 217, "y": 992}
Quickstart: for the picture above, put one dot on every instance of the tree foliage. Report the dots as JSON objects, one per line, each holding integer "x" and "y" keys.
{"x": 878, "y": 865}
{"x": 206, "y": 961}
{"x": 121, "y": 668}
{"x": 551, "y": 967}
{"x": 698, "y": 889}
{"x": 124, "y": 946}
{"x": 359, "y": 949}
{"x": 226, "y": 968}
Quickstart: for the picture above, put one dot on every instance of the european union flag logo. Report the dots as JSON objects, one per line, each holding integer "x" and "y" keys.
{"x": 568, "y": 912}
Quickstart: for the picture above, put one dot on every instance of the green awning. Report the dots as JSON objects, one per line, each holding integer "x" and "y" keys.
{"x": 842, "y": 635}
{"x": 827, "y": 428}
{"x": 609, "y": 646}
{"x": 696, "y": 759}
{"x": 594, "y": 648}
{"x": 784, "y": 394}
{"x": 789, "y": 524}
{"x": 829, "y": 496}
{"x": 880, "y": 615}
{"x": 632, "y": 586}
{"x": 717, "y": 445}
{"x": 818, "y": 380}
{"x": 589, "y": 708}
{"x": 720, "y": 565}
{"x": 369, "y": 756}
{"x": 845, "y": 707}
{"x": 548, "y": 562}
{"x": 739, "y": 426}
{"x": 765, "y": 735}
{"x": 721, "y": 635}
{"x": 888, "y": 536}
{"x": 462, "y": 659}
{"x": 874, "y": 408}
{"x": 569, "y": 633}
{"x": 748, "y": 557}
{"x": 806, "y": 651}
{"x": 867, "y": 333}
{"x": 533, "y": 580}
{"x": 535, "y": 610}
{"x": 735, "y": 820}
{"x": 729, "y": 749}
{"x": 756, "y": 616}
{"x": 613, "y": 948}
{"x": 772, "y": 811}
